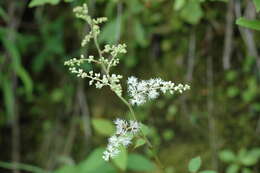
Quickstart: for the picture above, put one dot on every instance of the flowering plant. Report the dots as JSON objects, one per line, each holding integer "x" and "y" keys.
{"x": 140, "y": 91}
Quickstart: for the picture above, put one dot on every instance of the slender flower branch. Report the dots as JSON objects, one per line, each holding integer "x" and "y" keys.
{"x": 139, "y": 90}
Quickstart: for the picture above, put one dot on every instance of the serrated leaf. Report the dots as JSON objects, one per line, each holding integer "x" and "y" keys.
{"x": 103, "y": 126}
{"x": 251, "y": 24}
{"x": 227, "y": 156}
{"x": 121, "y": 160}
{"x": 195, "y": 164}
{"x": 139, "y": 142}
{"x": 139, "y": 163}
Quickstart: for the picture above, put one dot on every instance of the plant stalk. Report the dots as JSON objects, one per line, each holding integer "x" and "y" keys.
{"x": 157, "y": 160}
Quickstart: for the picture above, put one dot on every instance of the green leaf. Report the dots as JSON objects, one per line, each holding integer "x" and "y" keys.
{"x": 121, "y": 160}
{"x": 251, "y": 24}
{"x": 233, "y": 91}
{"x": 249, "y": 160}
{"x": 178, "y": 4}
{"x": 108, "y": 32}
{"x": 208, "y": 171}
{"x": 227, "y": 156}
{"x": 194, "y": 164}
{"x": 137, "y": 162}
{"x": 103, "y": 126}
{"x": 139, "y": 142}
{"x": 3, "y": 14}
{"x": 95, "y": 163}
{"x": 257, "y": 5}
{"x": 145, "y": 129}
{"x": 234, "y": 168}
{"x": 192, "y": 12}
{"x": 19, "y": 69}
{"x": 66, "y": 169}
{"x": 231, "y": 76}
{"x": 35, "y": 3}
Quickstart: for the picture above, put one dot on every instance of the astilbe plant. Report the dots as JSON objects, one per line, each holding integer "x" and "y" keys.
{"x": 140, "y": 91}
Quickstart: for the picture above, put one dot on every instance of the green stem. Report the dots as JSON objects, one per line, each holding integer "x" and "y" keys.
{"x": 21, "y": 166}
{"x": 100, "y": 54}
{"x": 157, "y": 160}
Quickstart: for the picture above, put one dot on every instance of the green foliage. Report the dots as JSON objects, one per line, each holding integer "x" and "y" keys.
{"x": 103, "y": 126}
{"x": 192, "y": 12}
{"x": 240, "y": 161}
{"x": 194, "y": 164}
{"x": 227, "y": 156}
{"x": 139, "y": 142}
{"x": 35, "y": 3}
{"x": 257, "y": 5}
{"x": 251, "y": 24}
{"x": 121, "y": 160}
{"x": 159, "y": 35}
{"x": 137, "y": 162}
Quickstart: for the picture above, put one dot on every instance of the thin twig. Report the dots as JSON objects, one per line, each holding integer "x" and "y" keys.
{"x": 228, "y": 35}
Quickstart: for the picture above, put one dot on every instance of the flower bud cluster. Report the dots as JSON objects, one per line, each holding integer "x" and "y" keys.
{"x": 114, "y": 51}
{"x": 82, "y": 12}
{"x": 87, "y": 39}
{"x": 125, "y": 132}
{"x": 99, "y": 20}
{"x": 143, "y": 90}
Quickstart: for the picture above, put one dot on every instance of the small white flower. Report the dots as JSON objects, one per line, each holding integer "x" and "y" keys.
{"x": 125, "y": 132}
{"x": 134, "y": 126}
{"x": 141, "y": 91}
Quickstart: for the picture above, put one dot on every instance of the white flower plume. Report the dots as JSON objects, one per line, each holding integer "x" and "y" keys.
{"x": 142, "y": 90}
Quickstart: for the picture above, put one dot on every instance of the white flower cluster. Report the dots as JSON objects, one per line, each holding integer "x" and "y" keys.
{"x": 143, "y": 90}
{"x": 125, "y": 131}
{"x": 111, "y": 51}
{"x": 82, "y": 13}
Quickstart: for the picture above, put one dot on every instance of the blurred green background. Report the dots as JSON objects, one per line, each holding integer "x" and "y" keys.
{"x": 56, "y": 122}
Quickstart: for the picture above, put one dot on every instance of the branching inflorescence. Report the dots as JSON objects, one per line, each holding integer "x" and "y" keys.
{"x": 139, "y": 90}
{"x": 125, "y": 131}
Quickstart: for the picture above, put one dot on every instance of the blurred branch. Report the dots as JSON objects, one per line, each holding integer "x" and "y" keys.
{"x": 211, "y": 118}
{"x": 210, "y": 101}
{"x": 81, "y": 97}
{"x": 248, "y": 35}
{"x": 15, "y": 17}
{"x": 191, "y": 55}
{"x": 227, "y": 53}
